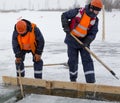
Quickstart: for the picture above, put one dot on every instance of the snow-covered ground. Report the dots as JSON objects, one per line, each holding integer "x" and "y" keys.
{"x": 55, "y": 49}
{"x": 53, "y": 99}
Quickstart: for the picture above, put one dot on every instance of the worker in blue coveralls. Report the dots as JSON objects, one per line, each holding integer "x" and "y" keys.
{"x": 83, "y": 24}
{"x": 27, "y": 38}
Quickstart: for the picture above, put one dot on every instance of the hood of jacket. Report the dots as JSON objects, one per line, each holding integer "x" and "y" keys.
{"x": 88, "y": 12}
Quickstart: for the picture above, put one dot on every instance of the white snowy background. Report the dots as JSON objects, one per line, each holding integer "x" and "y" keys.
{"x": 55, "y": 50}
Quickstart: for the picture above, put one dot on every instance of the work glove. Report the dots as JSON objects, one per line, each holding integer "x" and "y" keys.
{"x": 37, "y": 57}
{"x": 87, "y": 41}
{"x": 18, "y": 60}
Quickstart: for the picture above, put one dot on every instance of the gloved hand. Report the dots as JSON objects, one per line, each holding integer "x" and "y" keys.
{"x": 37, "y": 57}
{"x": 87, "y": 41}
{"x": 18, "y": 60}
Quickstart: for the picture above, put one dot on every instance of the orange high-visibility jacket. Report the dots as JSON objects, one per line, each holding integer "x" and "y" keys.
{"x": 82, "y": 27}
{"x": 28, "y": 41}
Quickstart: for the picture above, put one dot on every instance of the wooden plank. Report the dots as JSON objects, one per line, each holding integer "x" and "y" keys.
{"x": 25, "y": 81}
{"x": 67, "y": 89}
{"x": 99, "y": 88}
{"x": 63, "y": 85}
{"x": 10, "y": 80}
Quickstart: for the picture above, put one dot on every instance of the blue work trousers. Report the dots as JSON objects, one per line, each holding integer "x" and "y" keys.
{"x": 87, "y": 62}
{"x": 38, "y": 66}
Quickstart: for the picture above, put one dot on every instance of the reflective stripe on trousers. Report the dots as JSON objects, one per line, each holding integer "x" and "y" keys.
{"x": 73, "y": 56}
{"x": 38, "y": 66}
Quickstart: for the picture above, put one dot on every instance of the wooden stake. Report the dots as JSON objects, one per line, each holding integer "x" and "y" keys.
{"x": 20, "y": 83}
{"x": 103, "y": 24}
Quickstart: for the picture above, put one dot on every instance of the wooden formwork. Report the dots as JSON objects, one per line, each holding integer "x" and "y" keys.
{"x": 67, "y": 89}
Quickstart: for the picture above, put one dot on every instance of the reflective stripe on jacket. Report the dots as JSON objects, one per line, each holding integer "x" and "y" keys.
{"x": 28, "y": 41}
{"x": 81, "y": 24}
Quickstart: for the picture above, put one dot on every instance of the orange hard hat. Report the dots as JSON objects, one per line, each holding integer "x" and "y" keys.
{"x": 97, "y": 3}
{"x": 21, "y": 27}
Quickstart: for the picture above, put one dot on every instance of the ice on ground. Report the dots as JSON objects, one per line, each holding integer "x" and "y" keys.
{"x": 33, "y": 98}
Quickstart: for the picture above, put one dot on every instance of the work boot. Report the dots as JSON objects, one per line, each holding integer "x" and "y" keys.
{"x": 73, "y": 80}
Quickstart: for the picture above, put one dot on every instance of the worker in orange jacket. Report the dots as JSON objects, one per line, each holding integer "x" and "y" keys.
{"x": 83, "y": 24}
{"x": 27, "y": 38}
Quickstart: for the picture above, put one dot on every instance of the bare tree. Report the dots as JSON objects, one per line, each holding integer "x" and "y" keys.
{"x": 116, "y": 4}
{"x": 108, "y": 5}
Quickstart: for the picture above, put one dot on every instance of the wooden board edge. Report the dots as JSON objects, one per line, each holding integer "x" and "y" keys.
{"x": 84, "y": 87}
